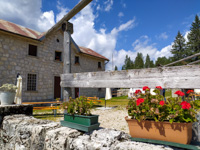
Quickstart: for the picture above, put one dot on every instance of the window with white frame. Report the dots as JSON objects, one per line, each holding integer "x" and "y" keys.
{"x": 31, "y": 82}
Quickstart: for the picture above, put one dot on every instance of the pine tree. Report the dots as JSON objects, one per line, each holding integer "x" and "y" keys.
{"x": 139, "y": 63}
{"x": 128, "y": 63}
{"x": 151, "y": 64}
{"x": 116, "y": 68}
{"x": 147, "y": 62}
{"x": 161, "y": 61}
{"x": 178, "y": 48}
{"x": 193, "y": 44}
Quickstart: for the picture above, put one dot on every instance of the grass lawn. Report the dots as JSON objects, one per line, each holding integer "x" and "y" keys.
{"x": 115, "y": 101}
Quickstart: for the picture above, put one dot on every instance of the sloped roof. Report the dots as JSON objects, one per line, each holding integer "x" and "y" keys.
{"x": 91, "y": 52}
{"x": 23, "y": 31}
{"x": 20, "y": 30}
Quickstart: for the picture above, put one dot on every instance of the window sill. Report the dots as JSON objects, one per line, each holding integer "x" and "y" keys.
{"x": 77, "y": 64}
{"x": 58, "y": 61}
{"x": 33, "y": 56}
{"x": 31, "y": 91}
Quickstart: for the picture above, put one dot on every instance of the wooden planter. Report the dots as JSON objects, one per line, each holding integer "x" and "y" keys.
{"x": 80, "y": 122}
{"x": 164, "y": 131}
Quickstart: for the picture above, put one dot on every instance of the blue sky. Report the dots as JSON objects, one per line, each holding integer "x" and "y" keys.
{"x": 111, "y": 27}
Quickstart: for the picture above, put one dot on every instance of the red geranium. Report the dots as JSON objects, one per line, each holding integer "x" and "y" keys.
{"x": 185, "y": 105}
{"x": 179, "y": 93}
{"x": 190, "y": 91}
{"x": 162, "y": 103}
{"x": 139, "y": 101}
{"x": 145, "y": 88}
{"x": 137, "y": 91}
{"x": 159, "y": 87}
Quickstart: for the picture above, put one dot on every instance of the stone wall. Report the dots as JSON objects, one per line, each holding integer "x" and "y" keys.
{"x": 122, "y": 92}
{"x": 14, "y": 59}
{"x": 20, "y": 132}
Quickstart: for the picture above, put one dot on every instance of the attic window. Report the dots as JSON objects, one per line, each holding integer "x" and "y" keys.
{"x": 32, "y": 50}
{"x": 76, "y": 59}
{"x": 58, "y": 56}
{"x": 99, "y": 65}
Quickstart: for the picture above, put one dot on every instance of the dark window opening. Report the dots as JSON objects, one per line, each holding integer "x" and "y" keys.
{"x": 32, "y": 50}
{"x": 99, "y": 64}
{"x": 58, "y": 40}
{"x": 99, "y": 89}
{"x": 76, "y": 60}
{"x": 31, "y": 82}
{"x": 58, "y": 56}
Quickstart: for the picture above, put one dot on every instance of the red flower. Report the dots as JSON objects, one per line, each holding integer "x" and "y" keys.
{"x": 139, "y": 101}
{"x": 185, "y": 105}
{"x": 145, "y": 88}
{"x": 179, "y": 93}
{"x": 162, "y": 103}
{"x": 190, "y": 91}
{"x": 159, "y": 87}
{"x": 137, "y": 91}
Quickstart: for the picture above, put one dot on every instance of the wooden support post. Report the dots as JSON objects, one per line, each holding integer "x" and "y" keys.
{"x": 68, "y": 30}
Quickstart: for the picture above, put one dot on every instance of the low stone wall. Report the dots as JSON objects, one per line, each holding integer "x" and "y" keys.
{"x": 122, "y": 92}
{"x": 20, "y": 132}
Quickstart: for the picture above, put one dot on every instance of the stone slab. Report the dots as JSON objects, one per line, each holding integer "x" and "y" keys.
{"x": 6, "y": 110}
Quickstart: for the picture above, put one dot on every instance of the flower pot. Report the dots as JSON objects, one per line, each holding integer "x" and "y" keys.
{"x": 80, "y": 122}
{"x": 164, "y": 131}
{"x": 7, "y": 98}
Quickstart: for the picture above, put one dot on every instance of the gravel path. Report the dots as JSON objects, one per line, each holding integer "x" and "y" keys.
{"x": 112, "y": 118}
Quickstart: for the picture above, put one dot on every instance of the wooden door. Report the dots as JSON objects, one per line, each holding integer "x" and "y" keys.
{"x": 76, "y": 92}
{"x": 57, "y": 88}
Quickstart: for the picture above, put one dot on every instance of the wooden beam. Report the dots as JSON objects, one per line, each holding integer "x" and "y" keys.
{"x": 167, "y": 77}
{"x": 70, "y": 14}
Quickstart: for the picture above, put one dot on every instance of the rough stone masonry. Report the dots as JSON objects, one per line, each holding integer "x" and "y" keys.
{"x": 21, "y": 132}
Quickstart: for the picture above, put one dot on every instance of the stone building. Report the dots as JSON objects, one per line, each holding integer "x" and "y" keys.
{"x": 38, "y": 58}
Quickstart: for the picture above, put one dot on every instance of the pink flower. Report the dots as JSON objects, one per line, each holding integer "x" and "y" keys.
{"x": 185, "y": 105}
{"x": 179, "y": 93}
{"x": 159, "y": 87}
{"x": 145, "y": 88}
{"x": 190, "y": 91}
{"x": 137, "y": 91}
{"x": 139, "y": 101}
{"x": 162, "y": 103}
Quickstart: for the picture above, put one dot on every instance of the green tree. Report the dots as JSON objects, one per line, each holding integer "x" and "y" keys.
{"x": 128, "y": 63}
{"x": 139, "y": 63}
{"x": 148, "y": 62}
{"x": 193, "y": 44}
{"x": 116, "y": 68}
{"x": 178, "y": 48}
{"x": 151, "y": 64}
{"x": 161, "y": 61}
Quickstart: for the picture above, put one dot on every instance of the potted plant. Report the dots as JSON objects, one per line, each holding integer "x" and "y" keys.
{"x": 7, "y": 94}
{"x": 152, "y": 117}
{"x": 78, "y": 115}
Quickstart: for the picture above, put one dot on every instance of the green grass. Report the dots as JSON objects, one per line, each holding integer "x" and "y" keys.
{"x": 115, "y": 101}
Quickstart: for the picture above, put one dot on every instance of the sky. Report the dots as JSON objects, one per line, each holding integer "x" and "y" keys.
{"x": 113, "y": 28}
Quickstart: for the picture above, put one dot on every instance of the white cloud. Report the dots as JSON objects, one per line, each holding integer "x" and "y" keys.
{"x": 108, "y": 4}
{"x": 27, "y": 13}
{"x": 121, "y": 14}
{"x": 63, "y": 11}
{"x": 163, "y": 36}
{"x": 186, "y": 36}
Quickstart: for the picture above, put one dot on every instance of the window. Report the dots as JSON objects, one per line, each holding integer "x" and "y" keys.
{"x": 32, "y": 50}
{"x": 58, "y": 56}
{"x": 76, "y": 59}
{"x": 31, "y": 82}
{"x": 99, "y": 64}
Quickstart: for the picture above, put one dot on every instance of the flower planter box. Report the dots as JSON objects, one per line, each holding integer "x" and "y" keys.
{"x": 80, "y": 122}
{"x": 164, "y": 131}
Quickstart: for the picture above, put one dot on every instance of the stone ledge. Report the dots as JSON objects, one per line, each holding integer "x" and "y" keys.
{"x": 6, "y": 110}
